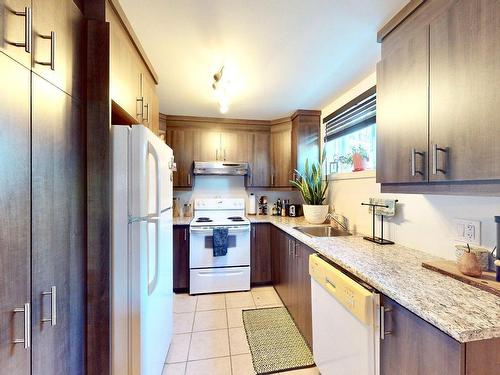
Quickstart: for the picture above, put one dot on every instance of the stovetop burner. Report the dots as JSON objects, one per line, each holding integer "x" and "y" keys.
{"x": 236, "y": 218}
{"x": 204, "y": 220}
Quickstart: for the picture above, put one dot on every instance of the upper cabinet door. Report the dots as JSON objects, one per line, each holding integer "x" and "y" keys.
{"x": 281, "y": 148}
{"x": 236, "y": 146}
{"x": 260, "y": 166}
{"x": 464, "y": 84}
{"x": 15, "y": 29}
{"x": 402, "y": 107}
{"x": 57, "y": 28}
{"x": 207, "y": 145}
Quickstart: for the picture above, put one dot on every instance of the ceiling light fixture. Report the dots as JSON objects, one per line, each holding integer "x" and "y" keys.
{"x": 221, "y": 90}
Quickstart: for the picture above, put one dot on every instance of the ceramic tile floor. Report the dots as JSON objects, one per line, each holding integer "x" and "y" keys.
{"x": 209, "y": 338}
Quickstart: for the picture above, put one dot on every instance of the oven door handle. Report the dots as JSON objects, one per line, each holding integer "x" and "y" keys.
{"x": 210, "y": 230}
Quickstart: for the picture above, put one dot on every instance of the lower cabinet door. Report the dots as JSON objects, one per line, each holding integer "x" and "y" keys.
{"x": 58, "y": 232}
{"x": 181, "y": 258}
{"x": 412, "y": 346}
{"x": 260, "y": 254}
{"x": 15, "y": 215}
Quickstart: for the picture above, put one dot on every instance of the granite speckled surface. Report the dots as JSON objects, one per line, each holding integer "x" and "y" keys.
{"x": 182, "y": 220}
{"x": 460, "y": 310}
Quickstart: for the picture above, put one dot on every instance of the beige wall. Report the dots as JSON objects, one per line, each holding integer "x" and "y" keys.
{"x": 423, "y": 222}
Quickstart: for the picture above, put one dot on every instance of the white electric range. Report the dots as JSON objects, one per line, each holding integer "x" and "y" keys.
{"x": 231, "y": 272}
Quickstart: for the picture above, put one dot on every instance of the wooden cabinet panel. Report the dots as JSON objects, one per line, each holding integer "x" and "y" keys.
{"x": 464, "y": 81}
{"x": 281, "y": 158}
{"x": 304, "y": 309}
{"x": 15, "y": 217}
{"x": 415, "y": 347}
{"x": 12, "y": 30}
{"x": 181, "y": 258}
{"x": 402, "y": 107}
{"x": 206, "y": 145}
{"x": 125, "y": 68}
{"x": 260, "y": 165}
{"x": 305, "y": 139}
{"x": 63, "y": 67}
{"x": 261, "y": 254}
{"x": 58, "y": 231}
{"x": 182, "y": 143}
{"x": 236, "y": 146}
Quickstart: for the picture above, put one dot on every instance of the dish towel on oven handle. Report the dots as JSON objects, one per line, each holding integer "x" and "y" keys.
{"x": 220, "y": 235}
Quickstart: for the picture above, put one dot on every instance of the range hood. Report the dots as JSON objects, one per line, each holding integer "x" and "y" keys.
{"x": 220, "y": 168}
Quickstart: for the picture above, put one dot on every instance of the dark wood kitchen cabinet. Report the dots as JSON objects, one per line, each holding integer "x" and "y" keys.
{"x": 15, "y": 219}
{"x": 414, "y": 347}
{"x": 305, "y": 138}
{"x": 57, "y": 28}
{"x": 281, "y": 154}
{"x": 402, "y": 103}
{"x": 464, "y": 80}
{"x": 181, "y": 258}
{"x": 260, "y": 251}
{"x": 291, "y": 279}
{"x": 58, "y": 232}
{"x": 436, "y": 99}
{"x": 13, "y": 30}
{"x": 260, "y": 168}
{"x": 182, "y": 139}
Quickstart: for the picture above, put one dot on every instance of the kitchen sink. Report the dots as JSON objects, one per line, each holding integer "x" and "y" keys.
{"x": 322, "y": 231}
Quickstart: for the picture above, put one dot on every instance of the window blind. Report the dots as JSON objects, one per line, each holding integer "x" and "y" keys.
{"x": 357, "y": 114}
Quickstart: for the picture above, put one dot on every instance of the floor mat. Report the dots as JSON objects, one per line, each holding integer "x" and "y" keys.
{"x": 275, "y": 342}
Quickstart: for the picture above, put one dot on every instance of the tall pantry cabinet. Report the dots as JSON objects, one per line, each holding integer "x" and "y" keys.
{"x": 42, "y": 190}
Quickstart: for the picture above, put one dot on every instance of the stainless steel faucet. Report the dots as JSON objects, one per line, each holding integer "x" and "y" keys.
{"x": 331, "y": 217}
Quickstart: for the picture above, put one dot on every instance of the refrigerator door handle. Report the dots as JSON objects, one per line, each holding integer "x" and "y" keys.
{"x": 155, "y": 155}
{"x": 153, "y": 281}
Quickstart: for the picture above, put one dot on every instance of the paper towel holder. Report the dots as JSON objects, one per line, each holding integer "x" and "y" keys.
{"x": 378, "y": 240}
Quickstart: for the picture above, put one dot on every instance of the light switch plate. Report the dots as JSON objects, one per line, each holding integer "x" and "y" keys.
{"x": 468, "y": 231}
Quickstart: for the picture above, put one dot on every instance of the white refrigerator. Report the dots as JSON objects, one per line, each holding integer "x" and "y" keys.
{"x": 141, "y": 271}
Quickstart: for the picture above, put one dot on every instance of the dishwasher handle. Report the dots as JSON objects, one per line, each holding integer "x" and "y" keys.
{"x": 383, "y": 331}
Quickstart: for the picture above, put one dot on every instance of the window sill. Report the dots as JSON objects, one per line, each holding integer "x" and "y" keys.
{"x": 371, "y": 173}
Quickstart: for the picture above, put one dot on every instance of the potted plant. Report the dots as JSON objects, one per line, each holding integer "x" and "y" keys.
{"x": 313, "y": 190}
{"x": 357, "y": 158}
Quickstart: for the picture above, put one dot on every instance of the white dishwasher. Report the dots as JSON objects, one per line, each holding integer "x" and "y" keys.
{"x": 346, "y": 322}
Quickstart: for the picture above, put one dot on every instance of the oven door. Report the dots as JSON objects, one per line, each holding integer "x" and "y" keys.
{"x": 201, "y": 247}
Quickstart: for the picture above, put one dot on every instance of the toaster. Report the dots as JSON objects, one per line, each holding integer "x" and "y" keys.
{"x": 295, "y": 210}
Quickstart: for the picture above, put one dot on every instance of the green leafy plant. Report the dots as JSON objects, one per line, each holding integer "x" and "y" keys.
{"x": 311, "y": 184}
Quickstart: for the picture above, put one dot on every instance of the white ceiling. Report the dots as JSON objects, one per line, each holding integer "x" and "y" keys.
{"x": 281, "y": 54}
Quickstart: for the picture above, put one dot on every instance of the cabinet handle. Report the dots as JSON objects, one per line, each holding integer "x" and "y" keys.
{"x": 189, "y": 179}
{"x": 52, "y": 62}
{"x": 140, "y": 107}
{"x": 383, "y": 332}
{"x": 147, "y": 112}
{"x": 216, "y": 154}
{"x": 414, "y": 171}
{"x": 295, "y": 252}
{"x": 435, "y": 160}
{"x": 27, "y": 29}
{"x": 272, "y": 179}
{"x": 224, "y": 154}
{"x": 185, "y": 234}
{"x": 26, "y": 340}
{"x": 53, "y": 306}
{"x": 253, "y": 232}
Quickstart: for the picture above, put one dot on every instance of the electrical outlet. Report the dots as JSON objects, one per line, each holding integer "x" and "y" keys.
{"x": 468, "y": 231}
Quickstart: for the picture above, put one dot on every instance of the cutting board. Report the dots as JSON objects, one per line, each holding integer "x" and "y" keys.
{"x": 486, "y": 282}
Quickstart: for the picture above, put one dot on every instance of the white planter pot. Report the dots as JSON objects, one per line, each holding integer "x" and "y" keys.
{"x": 315, "y": 214}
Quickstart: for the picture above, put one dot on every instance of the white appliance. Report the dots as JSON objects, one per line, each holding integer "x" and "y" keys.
{"x": 346, "y": 322}
{"x": 209, "y": 274}
{"x": 141, "y": 251}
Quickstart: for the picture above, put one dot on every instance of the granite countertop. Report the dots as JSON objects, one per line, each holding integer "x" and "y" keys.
{"x": 182, "y": 220}
{"x": 460, "y": 310}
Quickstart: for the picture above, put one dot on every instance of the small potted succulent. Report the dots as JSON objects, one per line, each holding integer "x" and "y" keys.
{"x": 357, "y": 158}
{"x": 313, "y": 189}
